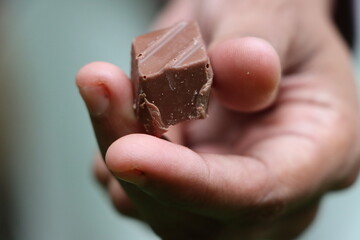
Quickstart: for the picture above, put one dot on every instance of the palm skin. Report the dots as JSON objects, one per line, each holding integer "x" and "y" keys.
{"x": 283, "y": 129}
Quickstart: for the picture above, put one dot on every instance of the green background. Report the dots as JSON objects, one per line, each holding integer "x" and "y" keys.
{"x": 47, "y": 138}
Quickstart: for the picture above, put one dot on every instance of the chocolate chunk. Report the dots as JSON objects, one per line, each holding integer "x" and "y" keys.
{"x": 172, "y": 76}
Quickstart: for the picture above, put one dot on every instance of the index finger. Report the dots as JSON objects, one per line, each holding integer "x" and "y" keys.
{"x": 108, "y": 94}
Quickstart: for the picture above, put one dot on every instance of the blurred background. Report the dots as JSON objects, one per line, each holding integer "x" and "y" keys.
{"x": 46, "y": 188}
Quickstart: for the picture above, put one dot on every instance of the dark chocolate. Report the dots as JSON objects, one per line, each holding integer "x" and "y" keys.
{"x": 172, "y": 76}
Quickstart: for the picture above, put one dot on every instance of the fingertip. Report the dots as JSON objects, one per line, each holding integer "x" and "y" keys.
{"x": 131, "y": 152}
{"x": 108, "y": 95}
{"x": 164, "y": 170}
{"x": 247, "y": 73}
{"x": 107, "y": 76}
{"x": 97, "y": 72}
{"x": 142, "y": 159}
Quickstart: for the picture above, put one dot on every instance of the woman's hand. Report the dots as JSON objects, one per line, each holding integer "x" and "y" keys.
{"x": 283, "y": 126}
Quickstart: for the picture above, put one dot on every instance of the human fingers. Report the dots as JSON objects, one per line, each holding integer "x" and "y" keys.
{"x": 173, "y": 174}
{"x": 120, "y": 199}
{"x": 101, "y": 172}
{"x": 239, "y": 193}
{"x": 108, "y": 94}
{"x": 116, "y": 193}
{"x": 247, "y": 73}
{"x": 249, "y": 54}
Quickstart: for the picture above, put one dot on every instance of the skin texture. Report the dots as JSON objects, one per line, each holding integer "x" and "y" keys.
{"x": 283, "y": 126}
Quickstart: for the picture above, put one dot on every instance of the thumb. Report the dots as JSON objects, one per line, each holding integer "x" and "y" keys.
{"x": 177, "y": 175}
{"x": 247, "y": 73}
{"x": 248, "y": 54}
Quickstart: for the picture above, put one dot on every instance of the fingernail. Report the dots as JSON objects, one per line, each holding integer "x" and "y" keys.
{"x": 96, "y": 99}
{"x": 133, "y": 176}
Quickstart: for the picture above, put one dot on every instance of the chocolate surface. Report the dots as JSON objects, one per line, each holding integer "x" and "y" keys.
{"x": 172, "y": 76}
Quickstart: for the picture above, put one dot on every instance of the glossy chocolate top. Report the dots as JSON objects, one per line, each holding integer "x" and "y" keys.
{"x": 174, "y": 47}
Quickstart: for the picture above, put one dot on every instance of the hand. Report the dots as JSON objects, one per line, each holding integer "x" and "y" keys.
{"x": 283, "y": 126}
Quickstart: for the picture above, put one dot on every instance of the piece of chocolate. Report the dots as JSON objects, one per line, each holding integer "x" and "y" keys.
{"x": 172, "y": 76}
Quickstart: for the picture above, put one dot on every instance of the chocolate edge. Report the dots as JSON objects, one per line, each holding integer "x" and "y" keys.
{"x": 153, "y": 123}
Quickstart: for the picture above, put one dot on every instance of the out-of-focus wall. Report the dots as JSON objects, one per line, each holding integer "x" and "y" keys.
{"x": 5, "y": 187}
{"x": 46, "y": 131}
